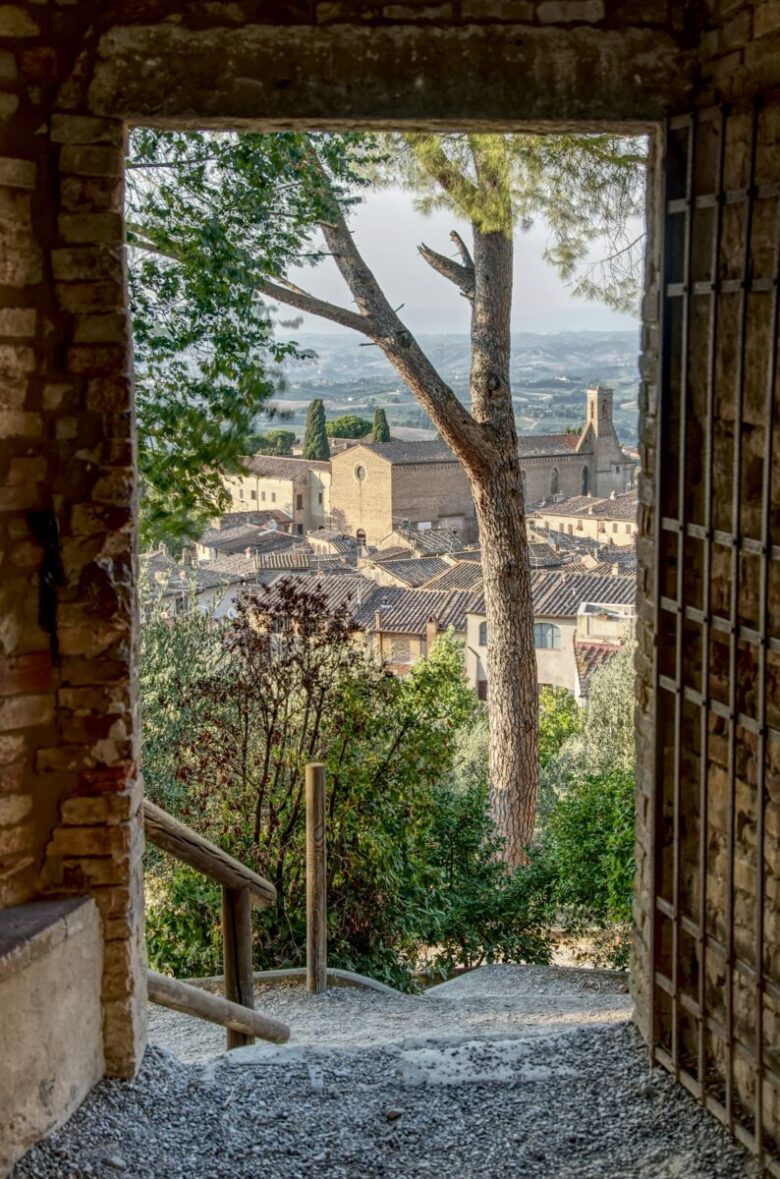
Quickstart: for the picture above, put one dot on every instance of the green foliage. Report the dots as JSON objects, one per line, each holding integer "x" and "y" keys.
{"x": 183, "y": 920}
{"x": 588, "y": 189}
{"x": 380, "y": 431}
{"x": 479, "y": 912}
{"x": 349, "y": 425}
{"x": 279, "y": 442}
{"x": 410, "y": 857}
{"x": 559, "y": 719}
{"x": 315, "y": 438}
{"x": 472, "y": 745}
{"x": 586, "y": 815}
{"x": 588, "y": 849}
{"x": 208, "y": 216}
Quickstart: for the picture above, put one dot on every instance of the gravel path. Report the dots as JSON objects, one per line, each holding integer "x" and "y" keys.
{"x": 514, "y": 1072}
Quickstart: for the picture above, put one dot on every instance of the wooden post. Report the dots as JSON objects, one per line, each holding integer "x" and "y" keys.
{"x": 237, "y": 947}
{"x": 316, "y": 882}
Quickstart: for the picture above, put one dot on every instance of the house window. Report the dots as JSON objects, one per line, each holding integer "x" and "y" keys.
{"x": 262, "y": 496}
{"x": 614, "y": 527}
{"x": 299, "y": 502}
{"x": 585, "y": 481}
{"x": 273, "y": 497}
{"x": 300, "y": 529}
{"x": 628, "y": 529}
{"x": 571, "y": 529}
{"x": 360, "y": 473}
{"x": 401, "y": 651}
{"x": 483, "y": 634}
{"x": 319, "y": 497}
{"x": 241, "y": 493}
{"x": 554, "y": 481}
{"x": 547, "y": 636}
{"x": 482, "y": 689}
{"x": 253, "y": 495}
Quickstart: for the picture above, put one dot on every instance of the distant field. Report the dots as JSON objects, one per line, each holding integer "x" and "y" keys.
{"x": 550, "y": 373}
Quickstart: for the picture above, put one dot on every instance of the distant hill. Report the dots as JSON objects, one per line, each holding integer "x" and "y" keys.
{"x": 549, "y": 372}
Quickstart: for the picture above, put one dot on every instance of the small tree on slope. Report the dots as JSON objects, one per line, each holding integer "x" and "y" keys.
{"x": 315, "y": 439}
{"x": 381, "y": 430}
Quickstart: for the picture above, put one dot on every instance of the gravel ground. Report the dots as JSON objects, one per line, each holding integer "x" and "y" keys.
{"x": 510, "y": 1071}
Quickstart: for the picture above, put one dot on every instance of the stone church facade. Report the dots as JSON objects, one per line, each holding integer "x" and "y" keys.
{"x": 593, "y": 463}
{"x": 377, "y": 487}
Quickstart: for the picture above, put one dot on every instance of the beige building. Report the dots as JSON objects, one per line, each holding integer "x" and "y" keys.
{"x": 568, "y": 608}
{"x": 610, "y": 521}
{"x": 377, "y": 487}
{"x": 300, "y": 487}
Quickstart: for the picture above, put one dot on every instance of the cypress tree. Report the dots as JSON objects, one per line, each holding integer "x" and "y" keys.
{"x": 381, "y": 430}
{"x": 315, "y": 439}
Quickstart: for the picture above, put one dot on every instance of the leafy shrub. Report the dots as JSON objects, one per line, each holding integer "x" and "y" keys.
{"x": 232, "y": 713}
{"x": 479, "y": 912}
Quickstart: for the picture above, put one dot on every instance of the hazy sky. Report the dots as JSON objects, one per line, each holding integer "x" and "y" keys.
{"x": 388, "y": 229}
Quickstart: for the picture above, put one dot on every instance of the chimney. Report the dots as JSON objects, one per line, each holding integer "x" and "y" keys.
{"x": 377, "y": 620}
{"x": 431, "y": 631}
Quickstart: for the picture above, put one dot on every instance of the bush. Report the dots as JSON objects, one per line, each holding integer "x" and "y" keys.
{"x": 479, "y": 912}
{"x": 232, "y": 712}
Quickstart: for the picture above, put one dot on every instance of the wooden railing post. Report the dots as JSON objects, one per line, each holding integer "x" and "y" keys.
{"x": 316, "y": 882}
{"x": 237, "y": 949}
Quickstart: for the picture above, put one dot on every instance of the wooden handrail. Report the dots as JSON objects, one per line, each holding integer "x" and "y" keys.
{"x": 186, "y": 845}
{"x": 242, "y": 1021}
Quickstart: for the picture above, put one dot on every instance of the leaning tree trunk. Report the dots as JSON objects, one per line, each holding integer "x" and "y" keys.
{"x": 485, "y": 441}
{"x": 499, "y": 500}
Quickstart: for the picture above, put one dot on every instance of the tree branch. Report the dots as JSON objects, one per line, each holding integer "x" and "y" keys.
{"x": 293, "y": 296}
{"x": 461, "y": 276}
{"x": 469, "y": 441}
{"x": 462, "y": 249}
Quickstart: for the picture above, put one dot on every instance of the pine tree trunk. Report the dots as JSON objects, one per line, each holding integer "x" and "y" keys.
{"x": 511, "y": 660}
{"x": 498, "y": 495}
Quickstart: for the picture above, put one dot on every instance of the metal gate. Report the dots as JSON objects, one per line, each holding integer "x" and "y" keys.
{"x": 716, "y": 822}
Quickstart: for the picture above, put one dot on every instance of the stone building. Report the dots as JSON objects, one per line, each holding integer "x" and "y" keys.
{"x": 569, "y": 608}
{"x": 610, "y": 521}
{"x": 703, "y": 80}
{"x": 589, "y": 463}
{"x": 377, "y": 487}
{"x": 298, "y": 487}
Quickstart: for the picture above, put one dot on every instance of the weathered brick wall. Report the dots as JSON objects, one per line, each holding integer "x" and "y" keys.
{"x": 69, "y": 807}
{"x": 427, "y": 492}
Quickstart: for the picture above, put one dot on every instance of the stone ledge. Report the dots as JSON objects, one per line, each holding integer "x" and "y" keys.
{"x": 51, "y": 959}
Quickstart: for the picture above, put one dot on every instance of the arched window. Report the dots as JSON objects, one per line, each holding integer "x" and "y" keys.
{"x": 554, "y": 481}
{"x": 483, "y": 634}
{"x": 585, "y": 481}
{"x": 547, "y": 636}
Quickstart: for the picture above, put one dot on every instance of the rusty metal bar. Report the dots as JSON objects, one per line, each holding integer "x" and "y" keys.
{"x": 736, "y": 530}
{"x": 657, "y": 799}
{"x": 682, "y": 456}
{"x": 763, "y": 627}
{"x": 709, "y": 447}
